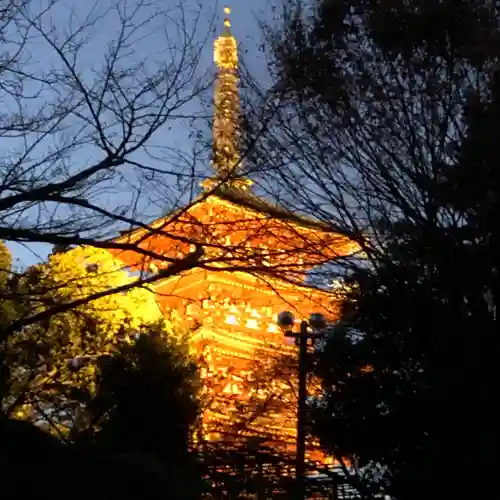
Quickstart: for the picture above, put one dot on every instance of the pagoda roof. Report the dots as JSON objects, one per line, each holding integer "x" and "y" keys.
{"x": 249, "y": 200}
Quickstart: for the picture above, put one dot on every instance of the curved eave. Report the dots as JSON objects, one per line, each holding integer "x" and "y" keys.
{"x": 255, "y": 206}
{"x": 248, "y": 277}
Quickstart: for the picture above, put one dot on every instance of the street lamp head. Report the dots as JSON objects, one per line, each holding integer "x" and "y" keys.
{"x": 317, "y": 320}
{"x": 286, "y": 320}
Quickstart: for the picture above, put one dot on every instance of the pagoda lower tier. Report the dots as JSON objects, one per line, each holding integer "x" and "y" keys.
{"x": 248, "y": 368}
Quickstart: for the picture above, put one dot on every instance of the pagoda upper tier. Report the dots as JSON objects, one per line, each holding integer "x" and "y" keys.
{"x": 238, "y": 231}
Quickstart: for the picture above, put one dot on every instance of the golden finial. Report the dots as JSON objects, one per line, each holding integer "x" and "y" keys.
{"x": 227, "y": 22}
{"x": 226, "y": 158}
{"x": 226, "y": 49}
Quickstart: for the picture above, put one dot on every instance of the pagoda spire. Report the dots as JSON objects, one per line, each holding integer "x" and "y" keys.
{"x": 226, "y": 128}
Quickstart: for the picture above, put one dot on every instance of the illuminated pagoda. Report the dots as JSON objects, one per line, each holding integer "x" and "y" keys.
{"x": 256, "y": 259}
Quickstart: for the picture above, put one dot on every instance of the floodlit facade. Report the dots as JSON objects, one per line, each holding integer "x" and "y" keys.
{"x": 256, "y": 257}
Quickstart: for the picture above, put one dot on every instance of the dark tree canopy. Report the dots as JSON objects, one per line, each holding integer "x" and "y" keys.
{"x": 382, "y": 122}
{"x": 145, "y": 400}
{"x": 133, "y": 436}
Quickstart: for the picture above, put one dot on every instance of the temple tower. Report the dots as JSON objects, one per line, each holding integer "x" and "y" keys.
{"x": 226, "y": 158}
{"x": 256, "y": 258}
{"x": 225, "y": 155}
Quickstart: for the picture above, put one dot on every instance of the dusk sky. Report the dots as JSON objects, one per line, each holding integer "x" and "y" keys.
{"x": 244, "y": 19}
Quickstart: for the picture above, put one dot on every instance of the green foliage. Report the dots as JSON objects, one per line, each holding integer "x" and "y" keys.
{"x": 41, "y": 353}
{"x": 7, "y": 312}
{"x": 5, "y": 263}
{"x": 111, "y": 377}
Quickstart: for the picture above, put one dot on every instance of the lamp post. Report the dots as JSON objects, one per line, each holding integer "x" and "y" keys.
{"x": 311, "y": 329}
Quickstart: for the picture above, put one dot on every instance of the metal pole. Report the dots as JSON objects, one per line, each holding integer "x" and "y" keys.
{"x": 301, "y": 413}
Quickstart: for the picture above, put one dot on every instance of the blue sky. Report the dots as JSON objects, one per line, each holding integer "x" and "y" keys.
{"x": 244, "y": 19}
